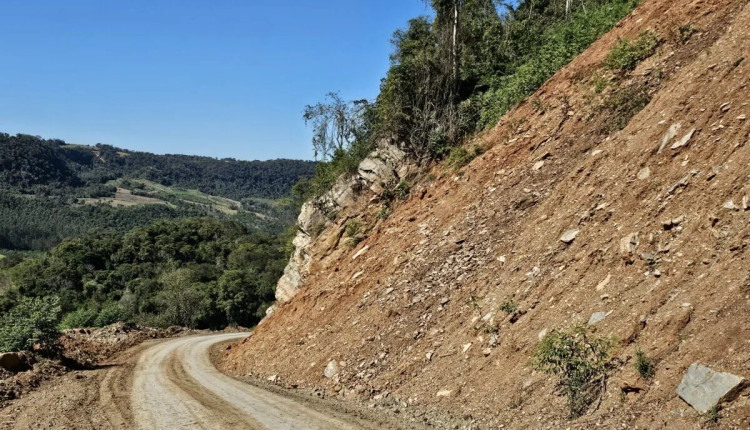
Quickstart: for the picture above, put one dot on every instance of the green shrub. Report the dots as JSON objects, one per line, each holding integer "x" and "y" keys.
{"x": 33, "y": 321}
{"x": 627, "y": 54}
{"x": 686, "y": 32}
{"x": 460, "y": 156}
{"x": 110, "y": 313}
{"x": 79, "y": 318}
{"x": 508, "y": 307}
{"x": 354, "y": 233}
{"x": 644, "y": 365}
{"x": 561, "y": 43}
{"x": 402, "y": 190}
{"x": 384, "y": 212}
{"x": 580, "y": 362}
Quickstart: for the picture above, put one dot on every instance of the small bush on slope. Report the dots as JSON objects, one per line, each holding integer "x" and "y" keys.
{"x": 627, "y": 54}
{"x": 579, "y": 361}
{"x": 644, "y": 365}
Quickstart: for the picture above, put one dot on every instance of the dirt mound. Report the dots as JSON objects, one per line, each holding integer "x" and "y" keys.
{"x": 564, "y": 217}
{"x": 87, "y": 347}
{"x": 80, "y": 349}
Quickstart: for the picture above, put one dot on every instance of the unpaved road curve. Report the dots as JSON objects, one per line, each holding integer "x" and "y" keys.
{"x": 175, "y": 386}
{"x": 171, "y": 384}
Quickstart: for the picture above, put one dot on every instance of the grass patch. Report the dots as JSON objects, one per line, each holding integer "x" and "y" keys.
{"x": 508, "y": 307}
{"x": 600, "y": 83}
{"x": 627, "y": 53}
{"x": 580, "y": 362}
{"x": 712, "y": 415}
{"x": 152, "y": 190}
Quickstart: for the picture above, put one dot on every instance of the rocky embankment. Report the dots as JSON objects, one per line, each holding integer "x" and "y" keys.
{"x": 613, "y": 200}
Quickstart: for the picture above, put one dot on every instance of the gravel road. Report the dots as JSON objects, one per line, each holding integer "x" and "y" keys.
{"x": 176, "y": 386}
{"x": 169, "y": 384}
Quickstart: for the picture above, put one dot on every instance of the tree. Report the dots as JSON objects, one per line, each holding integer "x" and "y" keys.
{"x": 337, "y": 124}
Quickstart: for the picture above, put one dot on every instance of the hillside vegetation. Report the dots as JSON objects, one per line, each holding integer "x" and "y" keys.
{"x": 452, "y": 76}
{"x": 198, "y": 273}
{"x": 51, "y": 190}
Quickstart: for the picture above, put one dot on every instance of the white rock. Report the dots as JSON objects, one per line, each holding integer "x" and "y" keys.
{"x": 600, "y": 286}
{"x": 569, "y": 236}
{"x": 443, "y": 393}
{"x": 360, "y": 252}
{"x": 644, "y": 173}
{"x": 331, "y": 370}
{"x": 597, "y": 317}
{"x": 669, "y": 135}
{"x": 684, "y": 141}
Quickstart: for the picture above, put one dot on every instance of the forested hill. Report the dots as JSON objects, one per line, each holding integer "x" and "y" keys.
{"x": 51, "y": 190}
{"x": 27, "y": 162}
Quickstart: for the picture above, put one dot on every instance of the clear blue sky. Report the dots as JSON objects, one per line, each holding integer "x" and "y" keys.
{"x": 224, "y": 78}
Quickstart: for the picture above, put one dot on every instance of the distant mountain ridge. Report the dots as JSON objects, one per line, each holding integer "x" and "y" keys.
{"x": 26, "y": 161}
{"x": 51, "y": 190}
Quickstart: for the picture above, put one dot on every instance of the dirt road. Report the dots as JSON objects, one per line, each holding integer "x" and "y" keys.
{"x": 176, "y": 386}
{"x": 168, "y": 384}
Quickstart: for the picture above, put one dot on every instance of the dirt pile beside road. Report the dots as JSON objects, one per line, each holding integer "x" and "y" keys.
{"x": 80, "y": 349}
{"x": 616, "y": 198}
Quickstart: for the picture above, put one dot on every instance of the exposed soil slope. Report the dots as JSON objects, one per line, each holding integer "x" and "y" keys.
{"x": 413, "y": 315}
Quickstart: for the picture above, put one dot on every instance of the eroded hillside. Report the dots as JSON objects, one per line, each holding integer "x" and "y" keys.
{"x": 443, "y": 303}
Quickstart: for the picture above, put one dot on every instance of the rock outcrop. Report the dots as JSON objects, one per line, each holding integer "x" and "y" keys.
{"x": 385, "y": 166}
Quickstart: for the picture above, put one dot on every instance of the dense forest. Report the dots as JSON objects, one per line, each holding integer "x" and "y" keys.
{"x": 454, "y": 74}
{"x": 51, "y": 190}
{"x": 199, "y": 272}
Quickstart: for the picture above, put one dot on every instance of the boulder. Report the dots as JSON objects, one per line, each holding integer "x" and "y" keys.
{"x": 703, "y": 388}
{"x": 13, "y": 362}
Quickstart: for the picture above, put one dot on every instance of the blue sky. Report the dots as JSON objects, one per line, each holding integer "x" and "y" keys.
{"x": 222, "y": 78}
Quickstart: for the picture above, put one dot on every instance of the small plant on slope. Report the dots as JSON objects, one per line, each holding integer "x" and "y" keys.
{"x": 460, "y": 156}
{"x": 354, "y": 233}
{"x": 580, "y": 362}
{"x": 626, "y": 55}
{"x": 712, "y": 415}
{"x": 644, "y": 365}
{"x": 508, "y": 307}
